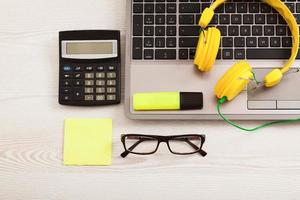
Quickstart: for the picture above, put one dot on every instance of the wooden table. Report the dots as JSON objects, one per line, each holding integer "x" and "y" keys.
{"x": 261, "y": 165}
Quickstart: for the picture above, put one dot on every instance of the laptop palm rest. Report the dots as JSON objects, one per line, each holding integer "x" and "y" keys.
{"x": 284, "y": 96}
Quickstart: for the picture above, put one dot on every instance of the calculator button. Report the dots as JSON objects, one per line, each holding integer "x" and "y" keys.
{"x": 111, "y": 97}
{"x": 78, "y": 75}
{"x": 66, "y": 83}
{"x": 67, "y": 75}
{"x": 111, "y": 90}
{"x": 111, "y": 82}
{"x": 78, "y": 68}
{"x": 88, "y": 97}
{"x": 67, "y": 68}
{"x": 78, "y": 83}
{"x": 100, "y": 97}
{"x": 88, "y": 90}
{"x": 89, "y": 75}
{"x": 100, "y": 90}
{"x": 111, "y": 68}
{"x": 66, "y": 91}
{"x": 100, "y": 82}
{"x": 89, "y": 68}
{"x": 78, "y": 94}
{"x": 89, "y": 82}
{"x": 66, "y": 97}
{"x": 111, "y": 75}
{"x": 100, "y": 75}
{"x": 100, "y": 68}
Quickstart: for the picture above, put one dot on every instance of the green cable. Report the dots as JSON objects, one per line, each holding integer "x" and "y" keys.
{"x": 224, "y": 99}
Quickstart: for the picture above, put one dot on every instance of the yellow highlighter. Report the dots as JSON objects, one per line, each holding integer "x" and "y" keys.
{"x": 167, "y": 101}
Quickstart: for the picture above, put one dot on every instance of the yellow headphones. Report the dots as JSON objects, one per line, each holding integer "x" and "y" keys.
{"x": 239, "y": 75}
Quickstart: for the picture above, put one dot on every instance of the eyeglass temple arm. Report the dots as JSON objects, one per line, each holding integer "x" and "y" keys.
{"x": 126, "y": 152}
{"x": 201, "y": 152}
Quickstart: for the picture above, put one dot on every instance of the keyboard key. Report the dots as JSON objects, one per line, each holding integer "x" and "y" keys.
{"x": 160, "y": 8}
{"x": 239, "y": 42}
{"x": 245, "y": 30}
{"x": 239, "y": 54}
{"x": 269, "y": 30}
{"x": 137, "y": 8}
{"x": 137, "y": 50}
{"x": 272, "y": 19}
{"x": 268, "y": 53}
{"x": 281, "y": 30}
{"x": 171, "y": 31}
{"x": 149, "y": 19}
{"x": 230, "y": 7}
{"x": 149, "y": 8}
{"x": 275, "y": 41}
{"x": 137, "y": 25}
{"x": 189, "y": 8}
{"x": 248, "y": 19}
{"x": 171, "y": 8}
{"x": 251, "y": 42}
{"x": 189, "y": 30}
{"x": 254, "y": 7}
{"x": 233, "y": 30}
{"x": 148, "y": 30}
{"x": 160, "y": 30}
{"x": 223, "y": 30}
{"x": 160, "y": 42}
{"x": 227, "y": 54}
{"x": 171, "y": 19}
{"x": 188, "y": 42}
{"x": 242, "y": 7}
{"x": 148, "y": 54}
{"x": 236, "y": 19}
{"x": 257, "y": 31}
{"x": 287, "y": 42}
{"x": 263, "y": 42}
{"x": 171, "y": 42}
{"x": 186, "y": 19}
{"x": 260, "y": 19}
{"x": 265, "y": 8}
{"x": 162, "y": 54}
{"x": 224, "y": 19}
{"x": 183, "y": 54}
{"x": 227, "y": 42}
{"x": 148, "y": 42}
{"x": 160, "y": 19}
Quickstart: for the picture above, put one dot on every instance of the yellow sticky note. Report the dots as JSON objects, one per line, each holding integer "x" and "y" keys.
{"x": 88, "y": 142}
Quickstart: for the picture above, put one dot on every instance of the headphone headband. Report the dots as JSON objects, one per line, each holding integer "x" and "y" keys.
{"x": 275, "y": 76}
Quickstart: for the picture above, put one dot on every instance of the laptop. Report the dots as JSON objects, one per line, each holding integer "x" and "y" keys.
{"x": 161, "y": 40}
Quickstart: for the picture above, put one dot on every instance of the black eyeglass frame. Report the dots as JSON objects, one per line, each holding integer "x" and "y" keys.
{"x": 165, "y": 139}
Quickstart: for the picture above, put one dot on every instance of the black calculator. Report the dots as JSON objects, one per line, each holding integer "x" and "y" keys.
{"x": 89, "y": 67}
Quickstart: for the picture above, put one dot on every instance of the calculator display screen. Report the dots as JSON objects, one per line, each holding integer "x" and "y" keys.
{"x": 89, "y": 48}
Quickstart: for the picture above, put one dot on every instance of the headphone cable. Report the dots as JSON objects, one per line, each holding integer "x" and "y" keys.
{"x": 224, "y": 99}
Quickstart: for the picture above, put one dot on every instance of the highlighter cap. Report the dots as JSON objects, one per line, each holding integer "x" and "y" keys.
{"x": 191, "y": 100}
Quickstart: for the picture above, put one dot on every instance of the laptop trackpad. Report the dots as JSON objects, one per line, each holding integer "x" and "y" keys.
{"x": 285, "y": 96}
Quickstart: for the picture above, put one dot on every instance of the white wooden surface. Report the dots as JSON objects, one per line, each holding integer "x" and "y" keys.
{"x": 262, "y": 165}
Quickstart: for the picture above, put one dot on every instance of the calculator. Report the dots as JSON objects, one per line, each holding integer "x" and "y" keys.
{"x": 89, "y": 67}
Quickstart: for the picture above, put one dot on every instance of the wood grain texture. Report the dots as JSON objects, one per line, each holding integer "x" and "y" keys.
{"x": 264, "y": 165}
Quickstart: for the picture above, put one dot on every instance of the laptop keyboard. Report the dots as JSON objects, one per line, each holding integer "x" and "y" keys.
{"x": 168, "y": 30}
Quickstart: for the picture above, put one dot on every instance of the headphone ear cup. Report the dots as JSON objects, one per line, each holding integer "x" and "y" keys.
{"x": 234, "y": 81}
{"x": 207, "y": 49}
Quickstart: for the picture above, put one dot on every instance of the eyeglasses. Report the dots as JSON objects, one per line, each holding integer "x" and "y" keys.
{"x": 177, "y": 144}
